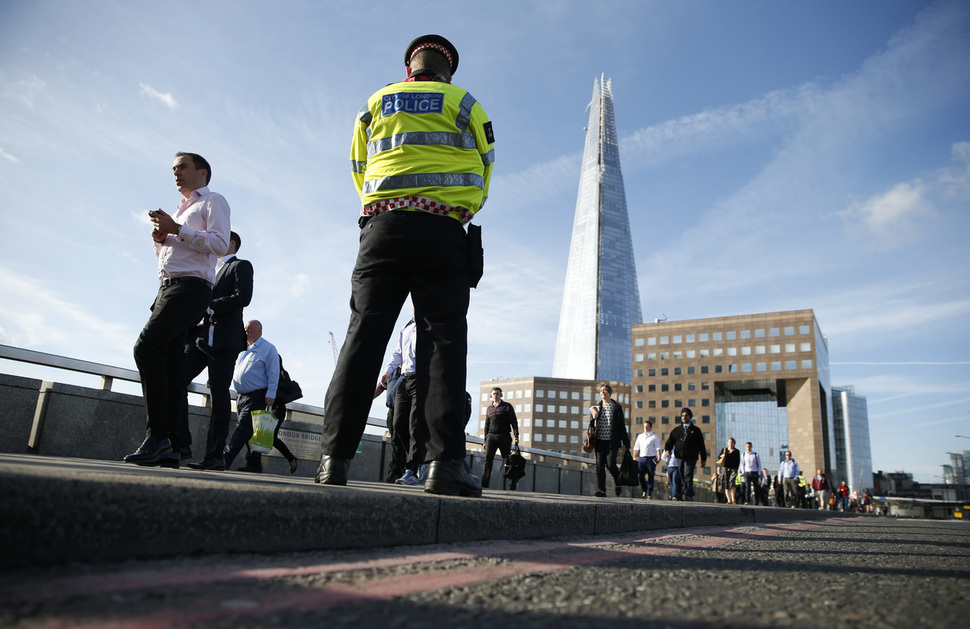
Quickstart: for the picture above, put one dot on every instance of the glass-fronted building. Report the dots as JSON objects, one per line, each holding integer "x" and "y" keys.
{"x": 852, "y": 450}
{"x": 762, "y": 378}
{"x": 601, "y": 297}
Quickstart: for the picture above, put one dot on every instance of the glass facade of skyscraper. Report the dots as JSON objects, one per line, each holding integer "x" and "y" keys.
{"x": 853, "y": 452}
{"x": 601, "y": 298}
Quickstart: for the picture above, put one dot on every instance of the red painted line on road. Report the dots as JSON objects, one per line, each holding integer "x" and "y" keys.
{"x": 379, "y": 589}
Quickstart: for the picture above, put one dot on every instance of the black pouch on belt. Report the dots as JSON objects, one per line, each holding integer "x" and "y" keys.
{"x": 476, "y": 255}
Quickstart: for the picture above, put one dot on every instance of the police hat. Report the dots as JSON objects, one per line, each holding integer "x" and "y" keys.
{"x": 434, "y": 42}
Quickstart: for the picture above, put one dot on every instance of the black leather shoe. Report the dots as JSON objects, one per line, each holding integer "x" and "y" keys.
{"x": 216, "y": 466}
{"x": 332, "y": 471}
{"x": 293, "y": 465}
{"x": 185, "y": 452}
{"x": 601, "y": 494}
{"x": 450, "y": 478}
{"x": 154, "y": 452}
{"x": 618, "y": 490}
{"x": 250, "y": 468}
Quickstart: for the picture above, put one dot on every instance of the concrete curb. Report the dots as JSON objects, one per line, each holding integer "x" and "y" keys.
{"x": 59, "y": 510}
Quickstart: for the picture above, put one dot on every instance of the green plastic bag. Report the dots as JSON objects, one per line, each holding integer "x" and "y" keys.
{"x": 264, "y": 425}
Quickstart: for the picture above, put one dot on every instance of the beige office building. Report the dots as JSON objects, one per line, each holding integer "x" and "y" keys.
{"x": 553, "y": 413}
{"x": 762, "y": 378}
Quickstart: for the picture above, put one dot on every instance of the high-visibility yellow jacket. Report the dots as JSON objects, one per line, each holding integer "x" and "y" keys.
{"x": 422, "y": 146}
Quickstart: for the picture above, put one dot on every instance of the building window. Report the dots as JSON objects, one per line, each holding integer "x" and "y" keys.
{"x": 639, "y": 373}
{"x": 705, "y": 386}
{"x": 540, "y": 408}
{"x": 690, "y": 338}
{"x": 790, "y": 347}
{"x": 678, "y": 386}
{"x": 705, "y": 419}
{"x": 789, "y": 330}
{"x": 691, "y": 402}
{"x": 528, "y": 408}
{"x": 665, "y": 387}
{"x": 690, "y": 370}
{"x": 562, "y": 439}
{"x": 760, "y": 334}
{"x": 745, "y": 334}
{"x": 540, "y": 393}
{"x": 678, "y": 404}
{"x": 651, "y": 403}
{"x": 773, "y": 332}
{"x": 691, "y": 353}
{"x": 746, "y": 350}
{"x": 525, "y": 422}
{"x": 651, "y": 355}
{"x": 805, "y": 347}
{"x": 652, "y": 373}
{"x": 639, "y": 388}
{"x": 702, "y": 337}
{"x": 573, "y": 439}
{"x": 574, "y": 410}
{"x": 575, "y": 395}
{"x": 790, "y": 364}
{"x": 718, "y": 369}
{"x": 664, "y": 355}
{"x": 639, "y": 404}
{"x": 776, "y": 365}
{"x": 638, "y": 342}
{"x": 638, "y": 358}
{"x": 732, "y": 351}
{"x": 562, "y": 423}
{"x": 806, "y": 364}
{"x": 677, "y": 371}
{"x": 651, "y": 388}
{"x": 518, "y": 408}
{"x": 678, "y": 355}
{"x": 664, "y": 403}
{"x": 746, "y": 367}
{"x": 665, "y": 420}
{"x": 733, "y": 368}
{"x": 652, "y": 340}
{"x": 537, "y": 437}
{"x": 664, "y": 371}
{"x": 677, "y": 339}
{"x": 691, "y": 386}
{"x": 538, "y": 422}
{"x": 804, "y": 329}
{"x": 761, "y": 366}
{"x": 759, "y": 349}
{"x": 562, "y": 409}
{"x": 732, "y": 335}
{"x": 705, "y": 353}
{"x": 563, "y": 395}
{"x": 717, "y": 336}
{"x": 704, "y": 369}
{"x": 665, "y": 340}
{"x": 639, "y": 420}
{"x": 775, "y": 349}
{"x": 705, "y": 401}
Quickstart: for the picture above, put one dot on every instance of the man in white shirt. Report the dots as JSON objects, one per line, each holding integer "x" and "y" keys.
{"x": 646, "y": 450}
{"x": 751, "y": 469}
{"x": 187, "y": 244}
{"x": 788, "y": 473}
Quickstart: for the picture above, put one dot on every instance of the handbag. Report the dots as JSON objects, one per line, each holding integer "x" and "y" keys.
{"x": 588, "y": 443}
{"x": 720, "y": 459}
{"x": 628, "y": 471}
{"x": 264, "y": 425}
{"x": 288, "y": 389}
{"x": 514, "y": 466}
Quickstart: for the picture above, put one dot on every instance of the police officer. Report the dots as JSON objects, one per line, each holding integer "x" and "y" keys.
{"x": 421, "y": 159}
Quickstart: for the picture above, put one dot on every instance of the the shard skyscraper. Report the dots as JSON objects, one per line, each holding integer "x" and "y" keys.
{"x": 601, "y": 299}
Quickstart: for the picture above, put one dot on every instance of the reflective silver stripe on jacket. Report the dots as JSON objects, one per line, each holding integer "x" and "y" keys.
{"x": 424, "y": 180}
{"x": 422, "y": 138}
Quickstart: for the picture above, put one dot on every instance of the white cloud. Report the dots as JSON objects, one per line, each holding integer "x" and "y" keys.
{"x": 166, "y": 98}
{"x": 893, "y": 216}
{"x": 25, "y": 90}
{"x": 7, "y": 156}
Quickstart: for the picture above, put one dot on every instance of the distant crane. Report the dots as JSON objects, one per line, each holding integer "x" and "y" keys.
{"x": 333, "y": 346}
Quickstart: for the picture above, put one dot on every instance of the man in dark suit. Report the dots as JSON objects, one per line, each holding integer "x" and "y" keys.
{"x": 687, "y": 443}
{"x": 214, "y": 345}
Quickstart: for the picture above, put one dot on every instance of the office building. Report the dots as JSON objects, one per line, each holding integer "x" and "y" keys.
{"x": 853, "y": 453}
{"x": 762, "y": 378}
{"x": 601, "y": 298}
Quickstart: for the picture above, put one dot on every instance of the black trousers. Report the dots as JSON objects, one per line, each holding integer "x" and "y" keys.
{"x": 159, "y": 352}
{"x": 606, "y": 460}
{"x": 220, "y": 364}
{"x": 422, "y": 255}
{"x": 495, "y": 441}
{"x": 409, "y": 433}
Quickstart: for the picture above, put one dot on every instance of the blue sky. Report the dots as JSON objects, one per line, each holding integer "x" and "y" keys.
{"x": 776, "y": 155}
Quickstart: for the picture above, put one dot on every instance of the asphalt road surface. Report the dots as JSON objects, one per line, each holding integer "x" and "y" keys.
{"x": 860, "y": 572}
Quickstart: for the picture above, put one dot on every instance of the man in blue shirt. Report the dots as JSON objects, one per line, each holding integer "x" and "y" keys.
{"x": 255, "y": 378}
{"x": 788, "y": 473}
